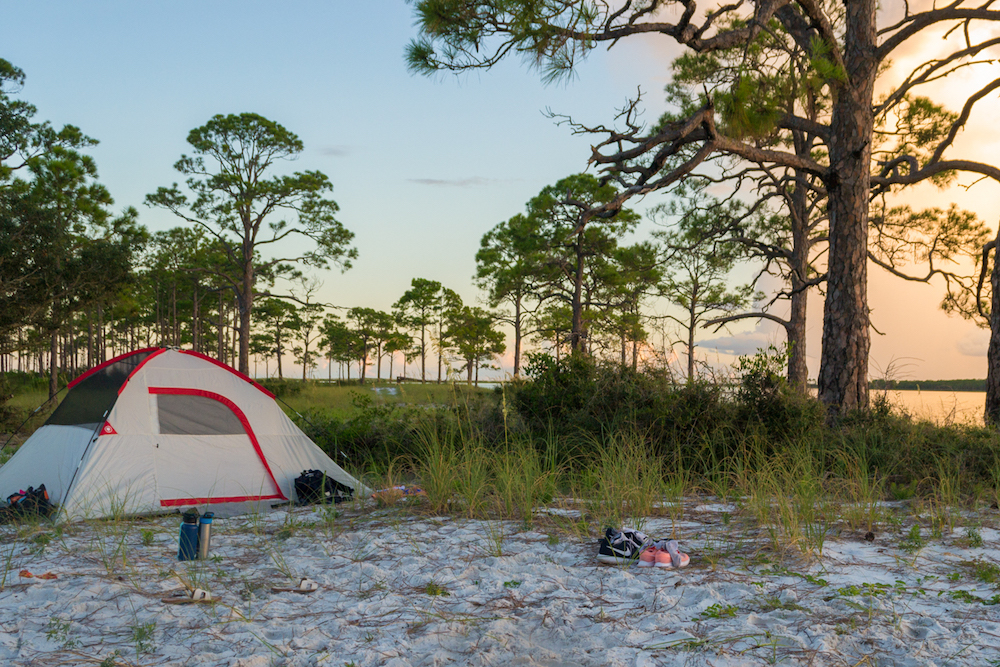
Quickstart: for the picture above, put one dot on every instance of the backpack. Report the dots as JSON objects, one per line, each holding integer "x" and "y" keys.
{"x": 31, "y": 502}
{"x": 314, "y": 486}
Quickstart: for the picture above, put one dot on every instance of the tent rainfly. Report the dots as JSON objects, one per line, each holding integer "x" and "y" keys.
{"x": 163, "y": 429}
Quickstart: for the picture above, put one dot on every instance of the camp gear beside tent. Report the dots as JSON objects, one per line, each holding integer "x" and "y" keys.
{"x": 33, "y": 502}
{"x": 164, "y": 429}
{"x": 315, "y": 486}
{"x": 393, "y": 494}
{"x": 305, "y": 586}
{"x": 187, "y": 543}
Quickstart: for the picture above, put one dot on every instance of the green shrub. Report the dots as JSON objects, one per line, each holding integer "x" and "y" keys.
{"x": 764, "y": 398}
{"x": 282, "y": 388}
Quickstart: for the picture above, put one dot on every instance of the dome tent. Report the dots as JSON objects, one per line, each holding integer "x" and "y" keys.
{"x": 161, "y": 429}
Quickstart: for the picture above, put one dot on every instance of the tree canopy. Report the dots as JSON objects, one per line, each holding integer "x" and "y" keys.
{"x": 841, "y": 47}
{"x": 240, "y": 202}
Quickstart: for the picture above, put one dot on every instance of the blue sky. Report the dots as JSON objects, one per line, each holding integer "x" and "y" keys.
{"x": 421, "y": 167}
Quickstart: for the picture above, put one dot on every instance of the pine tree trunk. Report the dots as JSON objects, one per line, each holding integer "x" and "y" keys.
{"x": 992, "y": 412}
{"x": 237, "y": 346}
{"x": 440, "y": 347}
{"x": 843, "y": 376}
{"x": 517, "y": 337}
{"x": 795, "y": 330}
{"x": 576, "y": 337}
{"x": 245, "y": 304}
{"x": 174, "y": 338}
{"x": 277, "y": 347}
{"x": 692, "y": 323}
{"x": 102, "y": 350}
{"x": 423, "y": 356}
{"x": 219, "y": 336}
{"x": 195, "y": 340}
{"x": 364, "y": 363}
{"x": 53, "y": 364}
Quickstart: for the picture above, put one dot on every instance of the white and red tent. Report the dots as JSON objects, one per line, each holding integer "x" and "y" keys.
{"x": 165, "y": 428}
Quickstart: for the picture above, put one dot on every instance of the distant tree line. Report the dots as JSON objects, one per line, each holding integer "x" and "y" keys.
{"x": 928, "y": 385}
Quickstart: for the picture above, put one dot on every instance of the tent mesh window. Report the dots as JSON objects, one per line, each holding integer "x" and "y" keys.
{"x": 182, "y": 414}
{"x": 88, "y": 402}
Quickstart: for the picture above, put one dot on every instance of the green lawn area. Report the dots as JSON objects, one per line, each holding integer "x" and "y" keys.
{"x": 30, "y": 399}
{"x": 341, "y": 400}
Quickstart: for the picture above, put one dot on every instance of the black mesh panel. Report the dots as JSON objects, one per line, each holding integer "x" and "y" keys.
{"x": 89, "y": 401}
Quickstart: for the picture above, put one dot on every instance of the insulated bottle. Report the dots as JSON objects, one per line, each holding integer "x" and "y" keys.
{"x": 204, "y": 534}
{"x": 188, "y": 549}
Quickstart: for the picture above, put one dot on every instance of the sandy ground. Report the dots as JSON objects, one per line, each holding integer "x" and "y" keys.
{"x": 402, "y": 589}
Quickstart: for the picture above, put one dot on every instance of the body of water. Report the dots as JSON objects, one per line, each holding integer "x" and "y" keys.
{"x": 941, "y": 407}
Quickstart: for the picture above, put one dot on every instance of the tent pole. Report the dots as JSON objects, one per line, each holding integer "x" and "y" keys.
{"x": 93, "y": 439}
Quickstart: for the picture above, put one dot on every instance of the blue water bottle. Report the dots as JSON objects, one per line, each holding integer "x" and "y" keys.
{"x": 188, "y": 549}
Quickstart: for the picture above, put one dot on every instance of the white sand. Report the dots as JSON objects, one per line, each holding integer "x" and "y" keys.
{"x": 544, "y": 601}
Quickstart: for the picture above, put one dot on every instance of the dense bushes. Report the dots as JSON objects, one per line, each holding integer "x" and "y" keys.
{"x": 574, "y": 407}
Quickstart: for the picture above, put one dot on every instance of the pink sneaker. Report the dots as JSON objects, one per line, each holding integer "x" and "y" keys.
{"x": 648, "y": 557}
{"x": 669, "y": 556}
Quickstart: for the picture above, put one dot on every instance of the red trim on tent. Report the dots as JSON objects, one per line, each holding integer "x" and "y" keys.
{"x": 239, "y": 415}
{"x": 228, "y": 368}
{"x": 180, "y": 502}
{"x": 105, "y": 364}
{"x": 136, "y": 369}
{"x": 108, "y": 429}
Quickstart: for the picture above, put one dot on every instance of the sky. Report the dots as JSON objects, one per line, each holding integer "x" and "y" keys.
{"x": 422, "y": 167}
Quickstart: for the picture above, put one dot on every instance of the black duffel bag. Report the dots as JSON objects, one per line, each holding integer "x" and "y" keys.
{"x": 315, "y": 486}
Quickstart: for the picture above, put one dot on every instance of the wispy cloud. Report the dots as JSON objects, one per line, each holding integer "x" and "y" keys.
{"x": 974, "y": 344}
{"x": 740, "y": 344}
{"x": 337, "y": 151}
{"x": 474, "y": 181}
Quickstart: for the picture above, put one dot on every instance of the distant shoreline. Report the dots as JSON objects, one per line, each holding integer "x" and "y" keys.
{"x": 928, "y": 385}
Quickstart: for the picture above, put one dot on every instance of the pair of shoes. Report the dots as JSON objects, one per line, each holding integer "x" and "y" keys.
{"x": 621, "y": 546}
{"x": 663, "y": 554}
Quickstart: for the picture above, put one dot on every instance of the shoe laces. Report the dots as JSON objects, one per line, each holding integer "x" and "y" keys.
{"x": 637, "y": 537}
{"x": 664, "y": 545}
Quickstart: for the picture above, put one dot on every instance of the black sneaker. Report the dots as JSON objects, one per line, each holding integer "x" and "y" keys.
{"x": 638, "y": 538}
{"x": 617, "y": 547}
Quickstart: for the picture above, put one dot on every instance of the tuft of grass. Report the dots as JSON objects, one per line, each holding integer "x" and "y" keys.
{"x": 718, "y": 611}
{"x": 984, "y": 571}
{"x": 435, "y": 466}
{"x": 523, "y": 479}
{"x": 624, "y": 482}
{"x": 973, "y": 537}
{"x": 913, "y": 542}
{"x": 435, "y": 589}
{"x": 143, "y": 637}
{"x": 59, "y": 631}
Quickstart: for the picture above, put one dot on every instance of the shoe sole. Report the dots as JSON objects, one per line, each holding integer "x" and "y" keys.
{"x": 685, "y": 560}
{"x": 614, "y": 560}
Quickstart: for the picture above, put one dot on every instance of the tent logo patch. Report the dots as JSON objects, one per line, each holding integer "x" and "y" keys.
{"x": 108, "y": 429}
